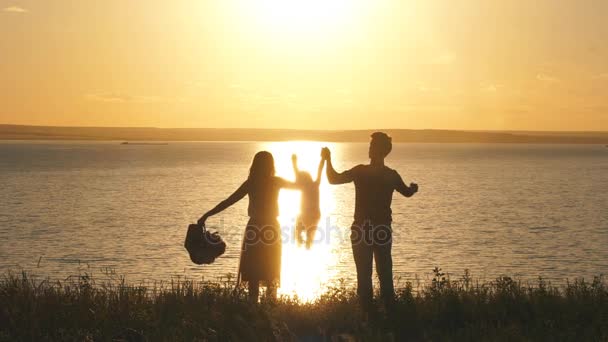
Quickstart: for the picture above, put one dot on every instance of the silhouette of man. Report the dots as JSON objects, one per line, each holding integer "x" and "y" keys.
{"x": 371, "y": 232}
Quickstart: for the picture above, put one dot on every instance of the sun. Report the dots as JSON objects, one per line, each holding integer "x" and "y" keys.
{"x": 305, "y": 15}
{"x": 302, "y": 19}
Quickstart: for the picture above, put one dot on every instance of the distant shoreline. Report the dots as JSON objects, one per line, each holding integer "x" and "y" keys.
{"x": 134, "y": 135}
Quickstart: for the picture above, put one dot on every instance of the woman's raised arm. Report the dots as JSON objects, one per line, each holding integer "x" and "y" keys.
{"x": 232, "y": 199}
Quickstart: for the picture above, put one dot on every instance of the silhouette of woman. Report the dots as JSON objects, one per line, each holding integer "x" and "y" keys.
{"x": 261, "y": 251}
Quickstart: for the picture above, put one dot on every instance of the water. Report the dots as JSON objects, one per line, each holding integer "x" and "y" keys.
{"x": 518, "y": 210}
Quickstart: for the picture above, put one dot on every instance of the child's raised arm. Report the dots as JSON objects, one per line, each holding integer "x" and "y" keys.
{"x": 294, "y": 163}
{"x": 320, "y": 171}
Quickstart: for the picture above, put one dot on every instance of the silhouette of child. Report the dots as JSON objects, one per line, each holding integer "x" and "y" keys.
{"x": 310, "y": 212}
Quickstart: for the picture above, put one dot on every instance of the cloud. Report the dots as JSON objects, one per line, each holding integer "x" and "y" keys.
{"x": 521, "y": 110}
{"x": 490, "y": 88}
{"x": 444, "y": 59}
{"x": 427, "y": 89}
{"x": 427, "y": 108}
{"x": 547, "y": 78}
{"x": 603, "y": 76}
{"x": 15, "y": 9}
{"x": 122, "y": 98}
{"x": 109, "y": 97}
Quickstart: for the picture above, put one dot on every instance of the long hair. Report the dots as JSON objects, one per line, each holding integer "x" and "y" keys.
{"x": 262, "y": 166}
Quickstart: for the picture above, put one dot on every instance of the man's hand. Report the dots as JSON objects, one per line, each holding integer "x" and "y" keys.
{"x": 325, "y": 153}
{"x": 414, "y": 188}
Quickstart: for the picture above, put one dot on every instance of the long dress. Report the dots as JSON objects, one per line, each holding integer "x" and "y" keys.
{"x": 261, "y": 251}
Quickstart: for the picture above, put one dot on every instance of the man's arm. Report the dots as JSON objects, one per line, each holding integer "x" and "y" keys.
{"x": 332, "y": 176}
{"x": 407, "y": 191}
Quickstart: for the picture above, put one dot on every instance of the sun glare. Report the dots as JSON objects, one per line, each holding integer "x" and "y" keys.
{"x": 304, "y": 15}
{"x": 302, "y": 20}
{"x": 304, "y": 272}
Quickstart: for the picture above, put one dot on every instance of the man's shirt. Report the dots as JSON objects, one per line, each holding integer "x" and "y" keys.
{"x": 374, "y": 186}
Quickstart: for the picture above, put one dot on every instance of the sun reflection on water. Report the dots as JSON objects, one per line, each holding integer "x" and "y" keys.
{"x": 304, "y": 273}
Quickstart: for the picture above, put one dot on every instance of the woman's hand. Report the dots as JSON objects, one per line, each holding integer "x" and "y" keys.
{"x": 201, "y": 221}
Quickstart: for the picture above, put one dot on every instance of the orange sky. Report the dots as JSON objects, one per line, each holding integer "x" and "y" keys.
{"x": 334, "y": 64}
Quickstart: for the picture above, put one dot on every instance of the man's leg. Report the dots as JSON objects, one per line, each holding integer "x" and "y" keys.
{"x": 384, "y": 265}
{"x": 363, "y": 254}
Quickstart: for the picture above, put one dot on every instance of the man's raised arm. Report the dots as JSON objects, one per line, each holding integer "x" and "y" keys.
{"x": 332, "y": 176}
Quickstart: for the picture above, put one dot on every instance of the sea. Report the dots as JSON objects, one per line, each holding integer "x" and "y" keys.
{"x": 111, "y": 210}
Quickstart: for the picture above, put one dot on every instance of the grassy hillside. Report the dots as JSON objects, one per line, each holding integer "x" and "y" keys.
{"x": 446, "y": 309}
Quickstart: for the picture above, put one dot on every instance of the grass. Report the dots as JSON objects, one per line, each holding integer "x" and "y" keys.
{"x": 444, "y": 309}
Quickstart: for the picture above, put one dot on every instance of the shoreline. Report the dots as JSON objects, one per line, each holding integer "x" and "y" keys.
{"x": 122, "y": 134}
{"x": 168, "y": 142}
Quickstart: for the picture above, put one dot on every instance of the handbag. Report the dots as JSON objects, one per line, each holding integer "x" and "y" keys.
{"x": 202, "y": 246}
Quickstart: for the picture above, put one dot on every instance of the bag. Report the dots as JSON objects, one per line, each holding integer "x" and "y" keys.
{"x": 203, "y": 247}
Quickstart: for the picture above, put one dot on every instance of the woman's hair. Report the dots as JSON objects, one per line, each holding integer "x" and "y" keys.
{"x": 262, "y": 166}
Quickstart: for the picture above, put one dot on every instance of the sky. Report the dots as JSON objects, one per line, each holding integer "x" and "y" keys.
{"x": 306, "y": 64}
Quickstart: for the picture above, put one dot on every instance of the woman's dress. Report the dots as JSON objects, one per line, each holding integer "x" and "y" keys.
{"x": 261, "y": 251}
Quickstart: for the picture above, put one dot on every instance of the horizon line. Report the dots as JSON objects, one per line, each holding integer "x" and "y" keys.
{"x": 319, "y": 130}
